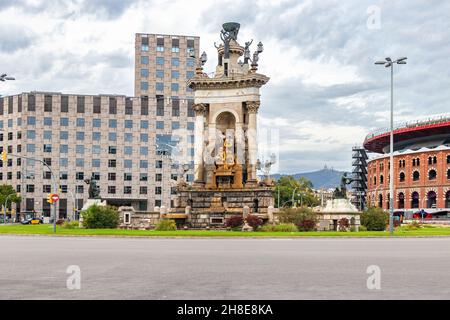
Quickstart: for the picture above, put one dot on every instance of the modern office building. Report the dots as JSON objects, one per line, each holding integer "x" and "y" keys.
{"x": 126, "y": 143}
{"x": 163, "y": 64}
{"x": 421, "y": 165}
{"x": 119, "y": 141}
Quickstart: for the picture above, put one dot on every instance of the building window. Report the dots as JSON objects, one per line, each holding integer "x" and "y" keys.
{"x": 80, "y": 104}
{"x": 79, "y": 162}
{"x": 31, "y": 148}
{"x": 31, "y": 134}
{"x": 47, "y": 121}
{"x": 160, "y": 74}
{"x": 144, "y": 124}
{"x": 111, "y": 189}
{"x": 128, "y": 137}
{"x": 128, "y": 124}
{"x": 158, "y": 164}
{"x": 144, "y": 137}
{"x": 160, "y": 61}
{"x": 48, "y": 148}
{"x": 174, "y": 86}
{"x": 143, "y": 151}
{"x": 63, "y": 188}
{"x": 112, "y": 163}
{"x": 144, "y": 60}
{"x": 144, "y": 106}
{"x": 112, "y": 106}
{"x": 127, "y": 176}
{"x": 143, "y": 177}
{"x": 381, "y": 179}
{"x": 112, "y": 150}
{"x": 128, "y": 106}
{"x": 112, "y": 123}
{"x": 159, "y": 86}
{"x": 79, "y": 149}
{"x": 175, "y": 62}
{"x": 64, "y": 135}
{"x": 127, "y": 150}
{"x": 48, "y": 103}
{"x": 30, "y": 188}
{"x": 46, "y": 188}
{"x": 63, "y": 162}
{"x": 31, "y": 121}
{"x": 112, "y": 176}
{"x": 63, "y": 176}
{"x": 128, "y": 164}
{"x": 80, "y": 122}
{"x": 64, "y": 103}
{"x": 190, "y": 125}
{"x": 432, "y": 174}
{"x": 143, "y": 190}
{"x": 189, "y": 74}
{"x": 144, "y": 73}
{"x": 158, "y": 190}
{"x": 47, "y": 135}
{"x": 127, "y": 190}
{"x": 80, "y": 135}
{"x": 112, "y": 136}
{"x": 159, "y": 124}
{"x": 79, "y": 175}
{"x": 190, "y": 62}
{"x": 175, "y": 125}
{"x": 64, "y": 122}
{"x": 96, "y": 149}
{"x": 96, "y": 163}
{"x": 175, "y": 74}
{"x": 96, "y": 123}
{"x": 416, "y": 176}
{"x": 448, "y": 173}
{"x": 31, "y": 102}
{"x": 96, "y": 136}
{"x": 402, "y": 176}
{"x": 97, "y": 105}
{"x": 143, "y": 164}
{"x": 144, "y": 85}
{"x": 144, "y": 47}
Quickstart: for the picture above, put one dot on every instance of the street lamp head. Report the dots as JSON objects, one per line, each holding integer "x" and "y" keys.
{"x": 388, "y": 59}
{"x": 401, "y": 59}
{"x": 389, "y": 64}
{"x": 401, "y": 62}
{"x": 380, "y": 62}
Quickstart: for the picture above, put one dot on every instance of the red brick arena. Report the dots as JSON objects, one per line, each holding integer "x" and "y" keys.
{"x": 421, "y": 167}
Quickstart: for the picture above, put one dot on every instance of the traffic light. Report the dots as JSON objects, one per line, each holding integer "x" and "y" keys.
{"x": 4, "y": 155}
{"x": 49, "y": 198}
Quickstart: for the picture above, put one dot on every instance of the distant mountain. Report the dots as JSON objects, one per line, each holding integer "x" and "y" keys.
{"x": 325, "y": 178}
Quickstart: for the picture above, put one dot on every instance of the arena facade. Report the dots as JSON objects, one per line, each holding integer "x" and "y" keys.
{"x": 421, "y": 165}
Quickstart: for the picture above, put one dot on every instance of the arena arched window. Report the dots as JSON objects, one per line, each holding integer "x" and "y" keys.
{"x": 402, "y": 176}
{"x": 418, "y": 161}
{"x": 414, "y": 200}
{"x": 448, "y": 158}
{"x": 416, "y": 176}
{"x": 448, "y": 173}
{"x": 434, "y": 160}
{"x": 432, "y": 174}
{"x": 374, "y": 181}
{"x": 430, "y": 160}
{"x": 381, "y": 179}
{"x": 447, "y": 199}
{"x": 414, "y": 162}
{"x": 401, "y": 200}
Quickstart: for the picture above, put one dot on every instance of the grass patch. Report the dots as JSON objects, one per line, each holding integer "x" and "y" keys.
{"x": 48, "y": 230}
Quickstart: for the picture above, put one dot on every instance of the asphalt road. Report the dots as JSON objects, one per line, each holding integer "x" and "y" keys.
{"x": 125, "y": 268}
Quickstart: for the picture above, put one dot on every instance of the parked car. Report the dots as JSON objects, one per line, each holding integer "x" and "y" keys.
{"x": 33, "y": 221}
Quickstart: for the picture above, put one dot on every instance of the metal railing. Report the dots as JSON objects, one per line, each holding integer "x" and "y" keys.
{"x": 435, "y": 119}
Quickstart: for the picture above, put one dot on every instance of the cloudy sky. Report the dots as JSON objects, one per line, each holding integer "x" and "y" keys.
{"x": 325, "y": 93}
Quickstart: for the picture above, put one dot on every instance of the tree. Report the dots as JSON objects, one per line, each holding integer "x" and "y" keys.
{"x": 7, "y": 191}
{"x": 303, "y": 195}
{"x": 100, "y": 217}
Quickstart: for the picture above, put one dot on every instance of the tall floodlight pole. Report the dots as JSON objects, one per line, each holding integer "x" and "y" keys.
{"x": 389, "y": 63}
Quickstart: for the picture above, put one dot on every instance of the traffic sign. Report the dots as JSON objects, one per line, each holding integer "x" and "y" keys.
{"x": 55, "y": 197}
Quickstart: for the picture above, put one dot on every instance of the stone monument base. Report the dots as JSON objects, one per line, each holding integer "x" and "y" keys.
{"x": 91, "y": 202}
{"x": 210, "y": 208}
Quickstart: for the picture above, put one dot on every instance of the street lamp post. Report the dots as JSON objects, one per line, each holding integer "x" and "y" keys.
{"x": 5, "y": 206}
{"x": 389, "y": 63}
{"x": 293, "y": 193}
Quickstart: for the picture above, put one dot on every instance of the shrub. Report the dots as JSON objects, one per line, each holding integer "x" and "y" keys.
{"x": 414, "y": 226}
{"x": 282, "y": 227}
{"x": 375, "y": 219}
{"x": 60, "y": 222}
{"x": 70, "y": 225}
{"x": 100, "y": 217}
{"x": 234, "y": 222}
{"x": 344, "y": 223}
{"x": 304, "y": 218}
{"x": 362, "y": 228}
{"x": 166, "y": 225}
{"x": 254, "y": 221}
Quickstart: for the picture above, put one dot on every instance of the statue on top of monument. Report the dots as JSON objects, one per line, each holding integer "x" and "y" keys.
{"x": 94, "y": 189}
{"x": 342, "y": 192}
{"x": 229, "y": 32}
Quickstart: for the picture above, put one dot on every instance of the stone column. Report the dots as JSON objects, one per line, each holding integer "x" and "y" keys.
{"x": 199, "y": 130}
{"x": 252, "y": 110}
